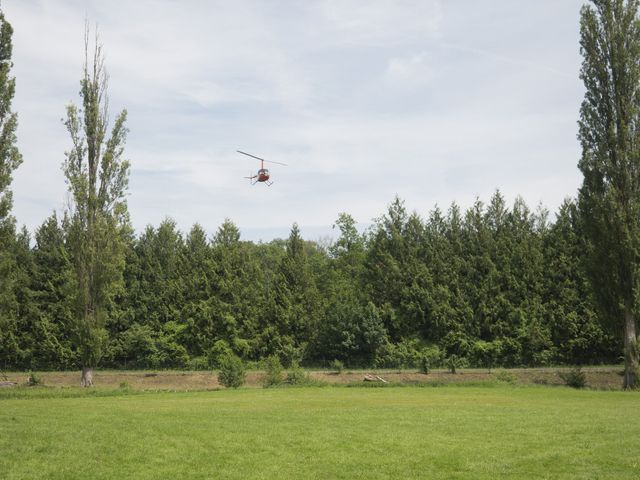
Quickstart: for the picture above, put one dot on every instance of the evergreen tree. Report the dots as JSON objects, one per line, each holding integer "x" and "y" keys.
{"x": 610, "y": 139}
{"x": 196, "y": 272}
{"x": 348, "y": 251}
{"x": 240, "y": 290}
{"x": 97, "y": 177}
{"x": 51, "y": 283}
{"x": 157, "y": 334}
{"x": 295, "y": 302}
{"x": 351, "y": 329}
{"x": 449, "y": 312}
{"x": 397, "y": 277}
{"x": 575, "y": 330}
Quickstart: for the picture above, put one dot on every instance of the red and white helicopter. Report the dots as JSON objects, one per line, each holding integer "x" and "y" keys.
{"x": 263, "y": 174}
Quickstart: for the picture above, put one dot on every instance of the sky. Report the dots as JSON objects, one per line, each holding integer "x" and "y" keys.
{"x": 434, "y": 101}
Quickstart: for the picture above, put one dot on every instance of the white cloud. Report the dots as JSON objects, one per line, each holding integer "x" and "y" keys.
{"x": 379, "y": 22}
{"x": 435, "y": 101}
{"x": 415, "y": 70}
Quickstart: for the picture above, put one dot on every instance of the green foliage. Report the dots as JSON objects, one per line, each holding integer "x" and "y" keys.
{"x": 575, "y": 377}
{"x": 609, "y": 198}
{"x": 97, "y": 177}
{"x": 506, "y": 377}
{"x": 405, "y": 354}
{"x": 186, "y": 301}
{"x": 232, "y": 372}
{"x": 273, "y": 372}
{"x": 425, "y": 364}
{"x": 198, "y": 363}
{"x": 219, "y": 351}
{"x": 11, "y": 349}
{"x": 433, "y": 355}
{"x": 297, "y": 376}
{"x": 453, "y": 362}
{"x": 52, "y": 289}
{"x": 337, "y": 366}
{"x": 34, "y": 380}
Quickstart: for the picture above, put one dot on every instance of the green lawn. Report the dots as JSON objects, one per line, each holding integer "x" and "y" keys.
{"x": 331, "y": 432}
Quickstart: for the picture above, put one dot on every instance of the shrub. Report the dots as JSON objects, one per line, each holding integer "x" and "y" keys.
{"x": 575, "y": 377}
{"x": 337, "y": 366}
{"x": 507, "y": 377}
{"x": 404, "y": 354}
{"x": 272, "y": 371}
{"x": 424, "y": 364}
{"x": 125, "y": 386}
{"x": 34, "y": 380}
{"x": 198, "y": 363}
{"x": 289, "y": 354}
{"x": 433, "y": 354}
{"x": 297, "y": 375}
{"x": 453, "y": 363}
{"x": 218, "y": 352}
{"x": 232, "y": 371}
{"x": 485, "y": 354}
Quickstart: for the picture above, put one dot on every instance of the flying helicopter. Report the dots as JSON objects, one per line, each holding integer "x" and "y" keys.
{"x": 263, "y": 174}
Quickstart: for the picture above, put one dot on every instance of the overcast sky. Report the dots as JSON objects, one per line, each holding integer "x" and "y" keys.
{"x": 435, "y": 101}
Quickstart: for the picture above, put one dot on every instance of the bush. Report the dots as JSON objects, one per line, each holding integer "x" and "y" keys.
{"x": 575, "y": 377}
{"x": 272, "y": 372}
{"x": 125, "y": 386}
{"x": 485, "y": 354}
{"x": 198, "y": 363}
{"x": 297, "y": 375}
{"x": 34, "y": 380}
{"x": 232, "y": 371}
{"x": 337, "y": 366}
{"x": 453, "y": 363}
{"x": 507, "y": 377}
{"x": 433, "y": 354}
{"x": 218, "y": 352}
{"x": 290, "y": 354}
{"x": 404, "y": 354}
{"x": 425, "y": 364}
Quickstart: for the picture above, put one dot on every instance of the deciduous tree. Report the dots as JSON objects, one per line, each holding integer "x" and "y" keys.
{"x": 97, "y": 176}
{"x": 9, "y": 160}
{"x": 609, "y": 132}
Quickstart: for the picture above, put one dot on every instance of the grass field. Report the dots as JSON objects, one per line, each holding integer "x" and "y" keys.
{"x": 330, "y": 432}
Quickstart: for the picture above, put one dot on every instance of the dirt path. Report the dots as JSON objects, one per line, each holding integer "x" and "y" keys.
{"x": 597, "y": 377}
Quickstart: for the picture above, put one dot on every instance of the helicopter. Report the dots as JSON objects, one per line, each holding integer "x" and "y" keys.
{"x": 263, "y": 174}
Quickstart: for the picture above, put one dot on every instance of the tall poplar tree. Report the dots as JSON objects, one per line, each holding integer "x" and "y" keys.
{"x": 9, "y": 160}
{"x": 97, "y": 177}
{"x": 609, "y": 131}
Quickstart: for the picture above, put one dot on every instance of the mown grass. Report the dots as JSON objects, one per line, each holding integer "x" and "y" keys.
{"x": 473, "y": 432}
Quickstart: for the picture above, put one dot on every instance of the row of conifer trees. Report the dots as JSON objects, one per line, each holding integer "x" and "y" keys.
{"x": 495, "y": 285}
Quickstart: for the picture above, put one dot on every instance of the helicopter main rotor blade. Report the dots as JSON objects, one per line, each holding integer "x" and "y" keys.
{"x": 261, "y": 159}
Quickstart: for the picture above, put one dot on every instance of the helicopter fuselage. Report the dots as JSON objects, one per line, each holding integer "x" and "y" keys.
{"x": 263, "y": 175}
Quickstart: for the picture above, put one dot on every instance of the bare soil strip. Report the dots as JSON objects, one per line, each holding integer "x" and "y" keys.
{"x": 607, "y": 378}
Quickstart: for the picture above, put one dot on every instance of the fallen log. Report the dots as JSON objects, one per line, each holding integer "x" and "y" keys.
{"x": 374, "y": 378}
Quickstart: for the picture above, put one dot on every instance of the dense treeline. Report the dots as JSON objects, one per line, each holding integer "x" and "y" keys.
{"x": 496, "y": 285}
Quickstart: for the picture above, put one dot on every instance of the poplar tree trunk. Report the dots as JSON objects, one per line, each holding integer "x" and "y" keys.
{"x": 630, "y": 351}
{"x": 87, "y": 377}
